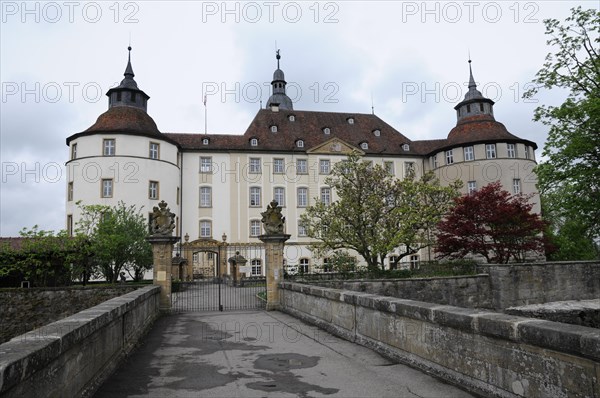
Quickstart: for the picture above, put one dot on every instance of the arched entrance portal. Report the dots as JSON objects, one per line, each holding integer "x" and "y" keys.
{"x": 219, "y": 276}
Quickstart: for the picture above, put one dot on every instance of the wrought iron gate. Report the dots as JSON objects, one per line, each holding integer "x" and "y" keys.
{"x": 219, "y": 276}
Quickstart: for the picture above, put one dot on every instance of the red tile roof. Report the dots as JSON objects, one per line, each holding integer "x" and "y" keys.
{"x": 124, "y": 120}
{"x": 307, "y": 126}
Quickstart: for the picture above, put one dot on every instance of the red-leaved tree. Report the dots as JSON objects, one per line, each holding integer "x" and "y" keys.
{"x": 493, "y": 223}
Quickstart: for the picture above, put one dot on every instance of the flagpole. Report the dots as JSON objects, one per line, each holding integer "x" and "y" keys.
{"x": 205, "y": 121}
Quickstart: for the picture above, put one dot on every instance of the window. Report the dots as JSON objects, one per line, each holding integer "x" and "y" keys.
{"x": 302, "y": 197}
{"x": 273, "y": 129}
{"x": 300, "y": 144}
{"x": 205, "y": 196}
{"x": 405, "y": 147}
{"x": 279, "y": 196}
{"x": 74, "y": 151}
{"x": 292, "y": 118}
{"x": 254, "y": 228}
{"x": 516, "y": 186}
{"x": 254, "y": 165}
{"x": 481, "y": 107}
{"x": 434, "y": 163}
{"x": 304, "y": 265}
{"x": 301, "y": 166}
{"x": 205, "y": 164}
{"x": 468, "y": 108}
{"x": 414, "y": 261}
{"x": 153, "y": 190}
{"x": 327, "y": 130}
{"x": 278, "y": 166}
{"x": 449, "y": 157}
{"x": 205, "y": 141}
{"x": 469, "y": 153}
{"x": 350, "y": 120}
{"x": 512, "y": 150}
{"x": 364, "y": 145}
{"x": 119, "y": 96}
{"x": 389, "y": 167}
{"x": 490, "y": 151}
{"x": 70, "y": 191}
{"x": 377, "y": 132}
{"x": 324, "y": 166}
{"x": 527, "y": 154}
{"x": 254, "y": 196}
{"x": 302, "y": 229}
{"x": 256, "y": 267}
{"x": 326, "y": 195}
{"x": 107, "y": 188}
{"x": 205, "y": 228}
{"x": 471, "y": 187}
{"x": 108, "y": 146}
{"x": 393, "y": 262}
{"x": 133, "y": 96}
{"x": 154, "y": 150}
{"x": 254, "y": 141}
{"x": 409, "y": 168}
{"x": 69, "y": 225}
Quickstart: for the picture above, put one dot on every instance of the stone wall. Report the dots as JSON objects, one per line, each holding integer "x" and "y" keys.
{"x": 71, "y": 357}
{"x": 22, "y": 310}
{"x": 515, "y": 285}
{"x": 496, "y": 287}
{"x": 463, "y": 291}
{"x": 489, "y": 353}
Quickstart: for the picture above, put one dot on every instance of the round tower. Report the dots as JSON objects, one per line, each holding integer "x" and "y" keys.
{"x": 122, "y": 157}
{"x": 479, "y": 150}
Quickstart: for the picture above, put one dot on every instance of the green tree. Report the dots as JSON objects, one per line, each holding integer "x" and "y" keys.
{"x": 117, "y": 237}
{"x": 375, "y": 213}
{"x": 569, "y": 180}
{"x": 45, "y": 257}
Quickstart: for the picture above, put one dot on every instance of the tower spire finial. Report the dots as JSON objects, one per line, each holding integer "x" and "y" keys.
{"x": 129, "y": 69}
{"x": 278, "y": 58}
{"x": 471, "y": 79}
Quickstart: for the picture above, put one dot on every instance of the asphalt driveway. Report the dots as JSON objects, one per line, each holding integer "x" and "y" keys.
{"x": 260, "y": 354}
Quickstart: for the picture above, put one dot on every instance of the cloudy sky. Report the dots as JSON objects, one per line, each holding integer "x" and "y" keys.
{"x": 408, "y": 59}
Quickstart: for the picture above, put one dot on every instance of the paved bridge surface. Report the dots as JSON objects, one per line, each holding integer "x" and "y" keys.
{"x": 260, "y": 354}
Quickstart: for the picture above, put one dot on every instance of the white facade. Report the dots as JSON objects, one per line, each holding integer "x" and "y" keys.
{"x": 218, "y": 185}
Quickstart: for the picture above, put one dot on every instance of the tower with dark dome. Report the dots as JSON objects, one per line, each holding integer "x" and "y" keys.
{"x": 122, "y": 157}
{"x": 279, "y": 98}
{"x": 480, "y": 150}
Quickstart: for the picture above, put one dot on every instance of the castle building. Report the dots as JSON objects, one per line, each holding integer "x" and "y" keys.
{"x": 218, "y": 184}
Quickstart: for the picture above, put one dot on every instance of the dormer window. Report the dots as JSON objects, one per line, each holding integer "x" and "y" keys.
{"x": 205, "y": 141}
{"x": 364, "y": 145}
{"x": 273, "y": 129}
{"x": 292, "y": 118}
{"x": 327, "y": 130}
{"x": 254, "y": 141}
{"x": 118, "y": 96}
{"x": 300, "y": 144}
{"x": 350, "y": 120}
{"x": 406, "y": 147}
{"x": 377, "y": 132}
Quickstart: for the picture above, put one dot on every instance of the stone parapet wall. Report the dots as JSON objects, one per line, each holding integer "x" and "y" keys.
{"x": 71, "y": 357}
{"x": 22, "y": 310}
{"x": 515, "y": 285}
{"x": 461, "y": 291}
{"x": 489, "y": 353}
